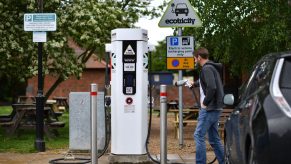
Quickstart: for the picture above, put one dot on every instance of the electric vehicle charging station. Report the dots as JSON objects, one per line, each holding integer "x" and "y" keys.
{"x": 129, "y": 91}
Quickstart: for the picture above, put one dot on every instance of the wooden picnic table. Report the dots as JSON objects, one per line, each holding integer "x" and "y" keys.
{"x": 25, "y": 117}
{"x": 62, "y": 102}
{"x": 26, "y": 99}
{"x": 190, "y": 115}
{"x": 54, "y": 108}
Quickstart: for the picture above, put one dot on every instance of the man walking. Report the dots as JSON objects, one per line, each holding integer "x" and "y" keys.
{"x": 211, "y": 103}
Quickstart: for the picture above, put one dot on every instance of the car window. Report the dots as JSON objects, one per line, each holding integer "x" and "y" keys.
{"x": 259, "y": 76}
{"x": 285, "y": 78}
{"x": 264, "y": 72}
{"x": 249, "y": 86}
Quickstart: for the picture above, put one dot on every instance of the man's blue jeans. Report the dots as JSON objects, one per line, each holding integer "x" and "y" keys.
{"x": 208, "y": 122}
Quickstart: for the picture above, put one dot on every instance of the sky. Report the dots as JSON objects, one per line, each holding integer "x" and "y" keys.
{"x": 155, "y": 33}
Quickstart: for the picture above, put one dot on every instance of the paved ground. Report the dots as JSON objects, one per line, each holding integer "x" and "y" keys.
{"x": 175, "y": 153}
{"x": 46, "y": 157}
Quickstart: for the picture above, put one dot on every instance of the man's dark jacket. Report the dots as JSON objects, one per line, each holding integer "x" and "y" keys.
{"x": 212, "y": 85}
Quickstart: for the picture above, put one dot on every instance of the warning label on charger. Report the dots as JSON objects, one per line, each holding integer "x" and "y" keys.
{"x": 129, "y": 108}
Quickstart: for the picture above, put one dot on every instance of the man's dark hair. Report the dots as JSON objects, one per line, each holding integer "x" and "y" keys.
{"x": 202, "y": 52}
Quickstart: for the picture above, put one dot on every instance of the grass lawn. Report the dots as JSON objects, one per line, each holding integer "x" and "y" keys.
{"x": 5, "y": 110}
{"x": 23, "y": 140}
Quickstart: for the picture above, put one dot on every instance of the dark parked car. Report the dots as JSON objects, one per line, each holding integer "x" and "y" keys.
{"x": 258, "y": 131}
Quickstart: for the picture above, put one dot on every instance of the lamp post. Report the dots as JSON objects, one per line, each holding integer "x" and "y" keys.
{"x": 39, "y": 141}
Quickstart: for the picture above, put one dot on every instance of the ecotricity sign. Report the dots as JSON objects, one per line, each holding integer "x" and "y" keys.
{"x": 179, "y": 21}
{"x": 180, "y": 13}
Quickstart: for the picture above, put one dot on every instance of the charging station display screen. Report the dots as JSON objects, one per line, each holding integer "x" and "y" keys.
{"x": 129, "y": 80}
{"x": 129, "y": 66}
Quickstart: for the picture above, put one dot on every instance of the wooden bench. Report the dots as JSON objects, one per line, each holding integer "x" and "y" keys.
{"x": 56, "y": 124}
{"x": 62, "y": 103}
{"x": 25, "y": 117}
{"x": 62, "y": 108}
{"x": 6, "y": 124}
{"x": 185, "y": 122}
{"x": 192, "y": 119}
{"x": 26, "y": 100}
{"x": 51, "y": 128}
{"x": 223, "y": 117}
{"x": 171, "y": 105}
{"x": 55, "y": 110}
{"x": 189, "y": 117}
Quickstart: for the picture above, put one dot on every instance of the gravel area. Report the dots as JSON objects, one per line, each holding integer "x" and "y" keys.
{"x": 154, "y": 145}
{"x": 172, "y": 142}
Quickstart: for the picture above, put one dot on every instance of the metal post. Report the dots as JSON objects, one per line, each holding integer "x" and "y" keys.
{"x": 39, "y": 141}
{"x": 93, "y": 102}
{"x": 180, "y": 77}
{"x": 163, "y": 123}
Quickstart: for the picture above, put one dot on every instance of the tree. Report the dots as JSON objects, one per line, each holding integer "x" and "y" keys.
{"x": 87, "y": 22}
{"x": 239, "y": 32}
{"x": 159, "y": 57}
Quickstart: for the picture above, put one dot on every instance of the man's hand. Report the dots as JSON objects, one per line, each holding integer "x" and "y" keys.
{"x": 203, "y": 106}
{"x": 189, "y": 84}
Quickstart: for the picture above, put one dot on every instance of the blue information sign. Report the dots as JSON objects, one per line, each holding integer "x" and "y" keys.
{"x": 40, "y": 22}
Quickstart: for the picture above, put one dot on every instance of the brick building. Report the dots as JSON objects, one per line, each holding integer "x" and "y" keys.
{"x": 93, "y": 73}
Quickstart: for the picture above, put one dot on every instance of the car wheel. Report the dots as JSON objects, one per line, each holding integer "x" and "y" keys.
{"x": 226, "y": 152}
{"x": 251, "y": 156}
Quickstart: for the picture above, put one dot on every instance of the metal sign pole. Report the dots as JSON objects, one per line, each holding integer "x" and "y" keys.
{"x": 186, "y": 18}
{"x": 39, "y": 141}
{"x": 181, "y": 135}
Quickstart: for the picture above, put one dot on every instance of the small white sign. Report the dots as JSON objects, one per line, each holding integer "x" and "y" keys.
{"x": 129, "y": 66}
{"x": 129, "y": 51}
{"x": 39, "y": 37}
{"x": 40, "y": 22}
{"x": 180, "y": 46}
{"x": 180, "y": 13}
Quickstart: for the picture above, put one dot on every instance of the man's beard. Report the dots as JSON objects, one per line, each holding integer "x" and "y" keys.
{"x": 196, "y": 65}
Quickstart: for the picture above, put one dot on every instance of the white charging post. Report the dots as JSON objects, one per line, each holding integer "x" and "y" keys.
{"x": 129, "y": 92}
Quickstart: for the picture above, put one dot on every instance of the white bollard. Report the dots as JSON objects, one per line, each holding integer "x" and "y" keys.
{"x": 163, "y": 123}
